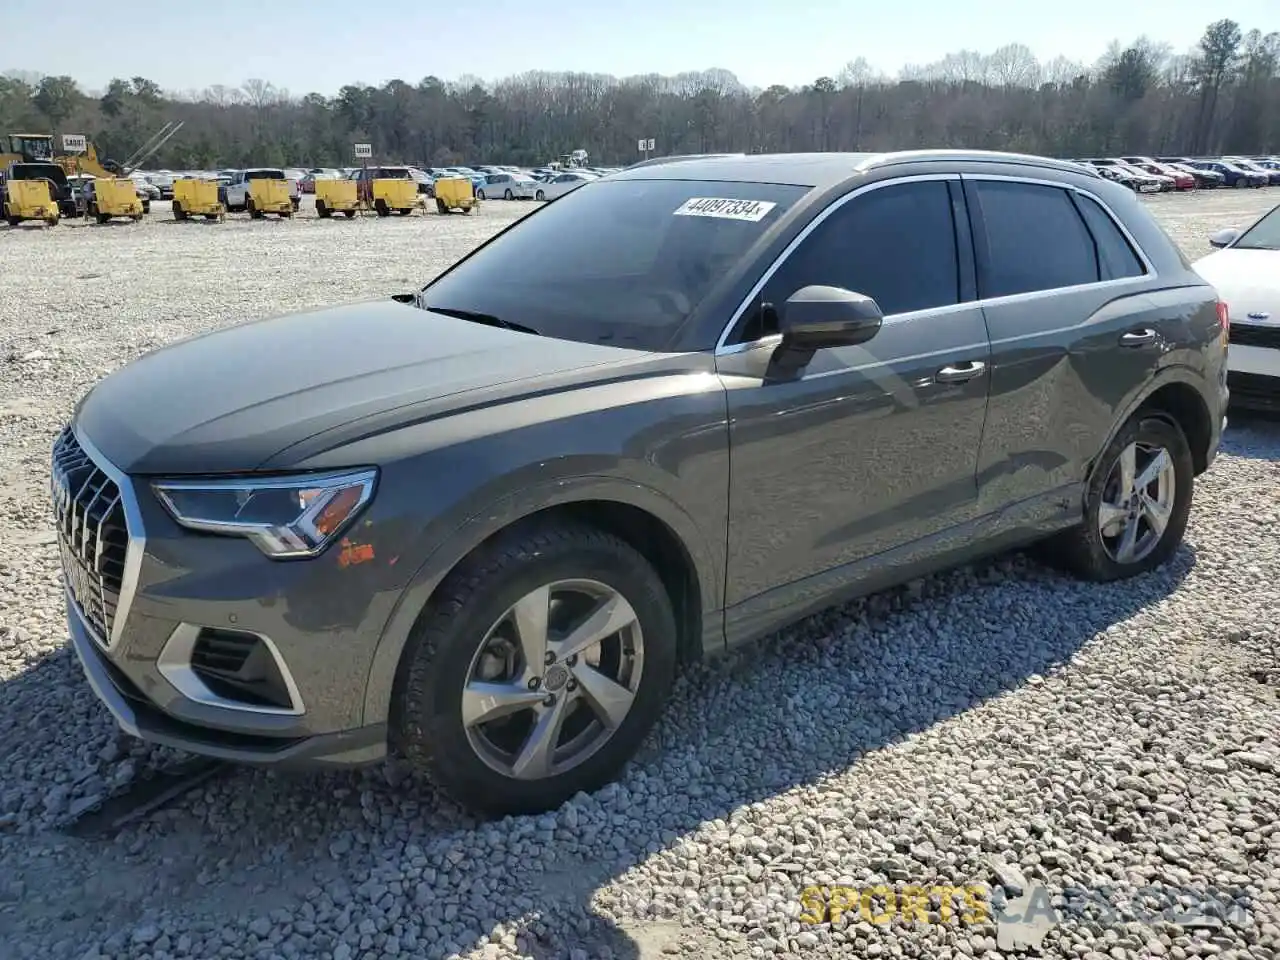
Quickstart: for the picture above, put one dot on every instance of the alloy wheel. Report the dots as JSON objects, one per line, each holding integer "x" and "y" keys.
{"x": 1137, "y": 502}
{"x": 553, "y": 679}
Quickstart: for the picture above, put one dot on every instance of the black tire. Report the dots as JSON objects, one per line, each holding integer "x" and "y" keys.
{"x": 101, "y": 217}
{"x": 380, "y": 206}
{"x": 1082, "y": 549}
{"x": 539, "y": 195}
{"x": 442, "y": 207}
{"x": 13, "y": 221}
{"x": 426, "y": 721}
{"x": 178, "y": 212}
{"x": 322, "y": 210}
{"x": 480, "y": 195}
{"x": 211, "y": 216}
{"x": 404, "y": 211}
{"x": 348, "y": 214}
{"x": 507, "y": 196}
{"x": 254, "y": 212}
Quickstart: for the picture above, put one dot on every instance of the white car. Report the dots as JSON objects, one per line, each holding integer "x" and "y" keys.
{"x": 236, "y": 193}
{"x": 508, "y": 186}
{"x": 1245, "y": 269}
{"x": 561, "y": 184}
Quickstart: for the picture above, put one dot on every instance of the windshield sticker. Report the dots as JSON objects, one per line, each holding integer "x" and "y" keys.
{"x": 752, "y": 211}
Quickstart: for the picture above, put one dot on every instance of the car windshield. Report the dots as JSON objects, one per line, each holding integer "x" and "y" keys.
{"x": 620, "y": 262}
{"x": 1263, "y": 235}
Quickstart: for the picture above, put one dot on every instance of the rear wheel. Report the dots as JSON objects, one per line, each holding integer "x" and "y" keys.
{"x": 322, "y": 210}
{"x": 539, "y": 195}
{"x": 442, "y": 207}
{"x": 254, "y": 212}
{"x": 348, "y": 214}
{"x": 13, "y": 221}
{"x": 1136, "y": 504}
{"x": 381, "y": 207}
{"x": 508, "y": 195}
{"x": 178, "y": 212}
{"x": 537, "y": 671}
{"x": 480, "y": 195}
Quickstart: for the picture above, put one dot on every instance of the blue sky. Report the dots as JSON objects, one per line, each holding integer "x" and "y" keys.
{"x": 319, "y": 45}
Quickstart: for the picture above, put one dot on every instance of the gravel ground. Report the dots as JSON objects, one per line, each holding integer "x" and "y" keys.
{"x": 1004, "y": 726}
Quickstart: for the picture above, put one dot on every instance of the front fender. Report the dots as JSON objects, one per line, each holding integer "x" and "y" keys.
{"x": 498, "y": 515}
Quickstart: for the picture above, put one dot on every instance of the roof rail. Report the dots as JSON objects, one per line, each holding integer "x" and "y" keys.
{"x": 991, "y": 156}
{"x": 654, "y": 161}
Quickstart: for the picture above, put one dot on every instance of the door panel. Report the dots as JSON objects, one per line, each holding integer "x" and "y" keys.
{"x": 862, "y": 453}
{"x": 865, "y": 448}
{"x": 1064, "y": 289}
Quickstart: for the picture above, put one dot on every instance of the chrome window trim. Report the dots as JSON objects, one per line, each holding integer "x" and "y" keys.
{"x": 137, "y": 537}
{"x": 722, "y": 349}
{"x": 174, "y": 664}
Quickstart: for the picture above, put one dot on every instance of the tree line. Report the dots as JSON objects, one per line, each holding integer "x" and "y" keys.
{"x": 1221, "y": 97}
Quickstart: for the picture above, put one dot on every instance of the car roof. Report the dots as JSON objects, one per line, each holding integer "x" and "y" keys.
{"x": 814, "y": 169}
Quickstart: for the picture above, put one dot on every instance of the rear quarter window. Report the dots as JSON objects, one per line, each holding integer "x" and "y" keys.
{"x": 1116, "y": 257}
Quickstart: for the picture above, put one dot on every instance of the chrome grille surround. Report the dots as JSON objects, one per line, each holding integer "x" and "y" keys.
{"x": 99, "y": 534}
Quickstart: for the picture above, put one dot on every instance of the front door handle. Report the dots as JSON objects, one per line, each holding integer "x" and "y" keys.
{"x": 960, "y": 372}
{"x": 1138, "y": 338}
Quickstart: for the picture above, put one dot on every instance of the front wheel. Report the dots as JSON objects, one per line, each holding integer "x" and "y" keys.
{"x": 537, "y": 670}
{"x": 322, "y": 210}
{"x": 540, "y": 195}
{"x": 508, "y": 195}
{"x": 442, "y": 207}
{"x": 480, "y": 195}
{"x": 1136, "y": 505}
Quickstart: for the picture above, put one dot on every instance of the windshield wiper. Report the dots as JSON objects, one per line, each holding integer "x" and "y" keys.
{"x": 487, "y": 319}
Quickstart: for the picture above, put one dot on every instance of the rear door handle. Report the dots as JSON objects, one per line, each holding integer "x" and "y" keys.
{"x": 960, "y": 372}
{"x": 1138, "y": 338}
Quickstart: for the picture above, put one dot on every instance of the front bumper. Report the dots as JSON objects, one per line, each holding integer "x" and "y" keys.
{"x": 135, "y": 613}
{"x": 139, "y": 717}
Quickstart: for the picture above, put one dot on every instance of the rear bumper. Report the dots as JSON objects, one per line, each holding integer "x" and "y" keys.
{"x": 139, "y": 717}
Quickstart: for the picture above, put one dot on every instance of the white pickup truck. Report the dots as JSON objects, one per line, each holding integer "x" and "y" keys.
{"x": 235, "y": 193}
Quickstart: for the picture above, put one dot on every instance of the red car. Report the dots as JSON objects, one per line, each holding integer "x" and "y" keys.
{"x": 1181, "y": 179}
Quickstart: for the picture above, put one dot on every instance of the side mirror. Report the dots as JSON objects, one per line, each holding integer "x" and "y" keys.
{"x": 1224, "y": 237}
{"x": 817, "y": 317}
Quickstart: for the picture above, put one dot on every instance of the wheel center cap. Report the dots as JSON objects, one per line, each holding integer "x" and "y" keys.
{"x": 557, "y": 676}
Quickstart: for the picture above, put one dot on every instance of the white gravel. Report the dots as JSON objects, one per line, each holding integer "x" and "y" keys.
{"x": 1100, "y": 746}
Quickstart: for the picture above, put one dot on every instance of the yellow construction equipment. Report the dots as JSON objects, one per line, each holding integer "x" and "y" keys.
{"x": 29, "y": 200}
{"x": 269, "y": 196}
{"x": 38, "y": 148}
{"x": 396, "y": 195}
{"x": 115, "y": 197}
{"x": 197, "y": 198}
{"x": 336, "y": 196}
{"x": 455, "y": 193}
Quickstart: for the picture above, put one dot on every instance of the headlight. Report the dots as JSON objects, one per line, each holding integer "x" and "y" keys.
{"x": 285, "y": 517}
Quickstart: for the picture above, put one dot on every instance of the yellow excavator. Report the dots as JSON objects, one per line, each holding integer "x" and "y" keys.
{"x": 39, "y": 148}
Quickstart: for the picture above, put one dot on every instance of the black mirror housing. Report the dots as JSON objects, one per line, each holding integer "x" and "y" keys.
{"x": 818, "y": 317}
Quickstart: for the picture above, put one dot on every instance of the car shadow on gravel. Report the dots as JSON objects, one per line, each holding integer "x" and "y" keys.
{"x": 382, "y": 852}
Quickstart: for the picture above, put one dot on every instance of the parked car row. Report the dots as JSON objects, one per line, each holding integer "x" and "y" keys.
{"x": 1157, "y": 174}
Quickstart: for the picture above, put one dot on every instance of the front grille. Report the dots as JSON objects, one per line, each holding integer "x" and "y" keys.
{"x": 1253, "y": 391}
{"x": 93, "y": 537}
{"x": 1247, "y": 335}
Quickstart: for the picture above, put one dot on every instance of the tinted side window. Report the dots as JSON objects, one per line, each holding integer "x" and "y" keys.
{"x": 895, "y": 244}
{"x": 1116, "y": 258}
{"x": 1035, "y": 239}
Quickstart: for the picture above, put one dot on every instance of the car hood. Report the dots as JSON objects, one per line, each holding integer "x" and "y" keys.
{"x": 231, "y": 400}
{"x": 1248, "y": 280}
